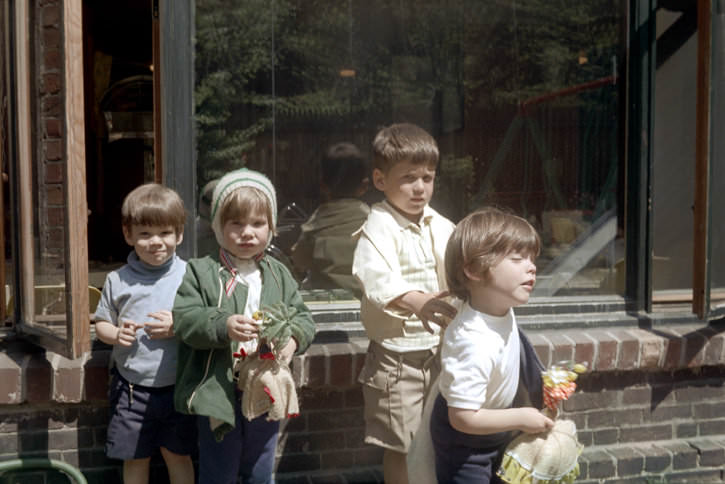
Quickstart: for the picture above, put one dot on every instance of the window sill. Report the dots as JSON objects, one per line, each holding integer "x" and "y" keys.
{"x": 31, "y": 375}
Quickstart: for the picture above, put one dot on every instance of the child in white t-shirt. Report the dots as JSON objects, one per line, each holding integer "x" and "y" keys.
{"x": 485, "y": 359}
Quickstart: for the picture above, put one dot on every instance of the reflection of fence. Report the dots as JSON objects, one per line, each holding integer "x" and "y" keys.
{"x": 590, "y": 172}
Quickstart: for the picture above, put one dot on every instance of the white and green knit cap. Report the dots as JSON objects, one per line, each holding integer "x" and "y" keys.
{"x": 230, "y": 182}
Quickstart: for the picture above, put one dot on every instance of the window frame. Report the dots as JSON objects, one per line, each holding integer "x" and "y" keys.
{"x": 77, "y": 337}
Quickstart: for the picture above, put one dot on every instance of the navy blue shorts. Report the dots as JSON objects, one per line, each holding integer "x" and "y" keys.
{"x": 144, "y": 419}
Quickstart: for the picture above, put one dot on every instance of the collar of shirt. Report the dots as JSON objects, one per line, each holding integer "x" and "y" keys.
{"x": 404, "y": 222}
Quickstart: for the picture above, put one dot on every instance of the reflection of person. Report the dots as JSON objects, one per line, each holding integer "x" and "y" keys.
{"x": 399, "y": 263}
{"x": 325, "y": 247}
{"x": 213, "y": 319}
{"x": 489, "y": 265}
{"x": 206, "y": 242}
{"x": 134, "y": 315}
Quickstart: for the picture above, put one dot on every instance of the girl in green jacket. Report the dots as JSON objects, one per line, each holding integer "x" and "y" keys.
{"x": 215, "y": 321}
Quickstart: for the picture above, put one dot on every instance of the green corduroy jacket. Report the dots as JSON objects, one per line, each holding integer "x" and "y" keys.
{"x": 204, "y": 380}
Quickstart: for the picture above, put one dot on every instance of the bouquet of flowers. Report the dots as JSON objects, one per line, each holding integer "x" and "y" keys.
{"x": 550, "y": 457}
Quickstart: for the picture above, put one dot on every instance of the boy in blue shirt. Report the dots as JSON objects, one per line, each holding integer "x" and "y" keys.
{"x": 134, "y": 316}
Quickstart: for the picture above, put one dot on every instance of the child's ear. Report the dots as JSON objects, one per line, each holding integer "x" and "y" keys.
{"x": 471, "y": 275}
{"x": 127, "y": 232}
{"x": 179, "y": 238}
{"x": 379, "y": 179}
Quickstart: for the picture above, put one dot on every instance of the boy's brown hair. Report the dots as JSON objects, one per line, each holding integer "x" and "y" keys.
{"x": 152, "y": 204}
{"x": 481, "y": 240}
{"x": 404, "y": 142}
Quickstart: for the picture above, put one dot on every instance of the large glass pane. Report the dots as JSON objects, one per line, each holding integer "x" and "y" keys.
{"x": 524, "y": 100}
{"x": 6, "y": 271}
{"x": 717, "y": 160}
{"x": 674, "y": 155}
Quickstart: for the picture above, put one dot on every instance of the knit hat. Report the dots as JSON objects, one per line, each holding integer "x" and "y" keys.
{"x": 230, "y": 182}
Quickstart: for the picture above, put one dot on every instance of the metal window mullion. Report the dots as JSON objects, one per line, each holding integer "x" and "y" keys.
{"x": 638, "y": 222}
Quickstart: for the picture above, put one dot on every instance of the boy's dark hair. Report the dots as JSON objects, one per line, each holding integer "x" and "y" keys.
{"x": 153, "y": 205}
{"x": 481, "y": 240}
{"x": 343, "y": 169}
{"x": 404, "y": 142}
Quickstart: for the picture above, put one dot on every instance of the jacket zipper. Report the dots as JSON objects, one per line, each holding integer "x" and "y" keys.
{"x": 208, "y": 360}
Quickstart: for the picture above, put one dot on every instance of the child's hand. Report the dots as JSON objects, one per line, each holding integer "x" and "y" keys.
{"x": 429, "y": 307}
{"x": 163, "y": 328}
{"x": 126, "y": 333}
{"x": 532, "y": 421}
{"x": 242, "y": 328}
{"x": 286, "y": 353}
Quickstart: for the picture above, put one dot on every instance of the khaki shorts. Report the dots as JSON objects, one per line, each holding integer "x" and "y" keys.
{"x": 394, "y": 388}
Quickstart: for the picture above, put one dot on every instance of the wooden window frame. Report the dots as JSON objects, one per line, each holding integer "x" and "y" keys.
{"x": 76, "y": 341}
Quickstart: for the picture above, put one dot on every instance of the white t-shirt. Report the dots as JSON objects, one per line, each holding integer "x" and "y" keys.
{"x": 480, "y": 360}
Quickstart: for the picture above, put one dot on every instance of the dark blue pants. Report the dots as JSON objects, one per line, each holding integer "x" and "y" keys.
{"x": 462, "y": 458}
{"x": 248, "y": 450}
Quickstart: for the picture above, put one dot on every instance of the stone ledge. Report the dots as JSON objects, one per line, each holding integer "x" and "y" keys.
{"x": 29, "y": 374}
{"x": 651, "y": 459}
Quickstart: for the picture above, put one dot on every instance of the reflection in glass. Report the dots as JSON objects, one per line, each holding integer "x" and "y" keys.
{"x": 524, "y": 101}
{"x": 717, "y": 162}
{"x": 673, "y": 186}
{"x": 6, "y": 271}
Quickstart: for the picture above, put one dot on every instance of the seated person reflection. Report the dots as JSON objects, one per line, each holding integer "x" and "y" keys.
{"x": 324, "y": 250}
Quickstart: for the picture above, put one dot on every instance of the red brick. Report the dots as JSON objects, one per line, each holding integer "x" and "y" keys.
{"x": 54, "y": 240}
{"x": 606, "y": 358}
{"x": 54, "y": 194}
{"x": 315, "y": 367}
{"x": 673, "y": 350}
{"x": 695, "y": 342}
{"x": 54, "y": 172}
{"x": 11, "y": 389}
{"x": 714, "y": 349}
{"x": 562, "y": 348}
{"x": 50, "y": 16}
{"x": 628, "y": 354}
{"x": 38, "y": 379}
{"x": 51, "y": 106}
{"x": 650, "y": 350}
{"x": 51, "y": 38}
{"x": 67, "y": 379}
{"x": 52, "y": 60}
{"x": 51, "y": 83}
{"x": 583, "y": 347}
{"x": 95, "y": 375}
{"x": 542, "y": 347}
{"x": 53, "y": 149}
{"x": 53, "y": 128}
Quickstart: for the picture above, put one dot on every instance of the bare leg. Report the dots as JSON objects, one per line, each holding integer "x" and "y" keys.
{"x": 180, "y": 467}
{"x": 136, "y": 471}
{"x": 395, "y": 467}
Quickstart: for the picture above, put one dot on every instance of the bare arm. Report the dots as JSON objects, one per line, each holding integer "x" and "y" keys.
{"x": 428, "y": 306}
{"x": 490, "y": 421}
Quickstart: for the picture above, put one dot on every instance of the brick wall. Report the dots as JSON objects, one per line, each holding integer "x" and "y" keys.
{"x": 50, "y": 129}
{"x": 651, "y": 410}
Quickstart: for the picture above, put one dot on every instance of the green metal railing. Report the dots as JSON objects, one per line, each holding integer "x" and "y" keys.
{"x": 40, "y": 463}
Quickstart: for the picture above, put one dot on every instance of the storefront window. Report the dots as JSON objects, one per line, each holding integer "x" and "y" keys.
{"x": 717, "y": 170}
{"x": 6, "y": 271}
{"x": 673, "y": 183}
{"x": 525, "y": 102}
